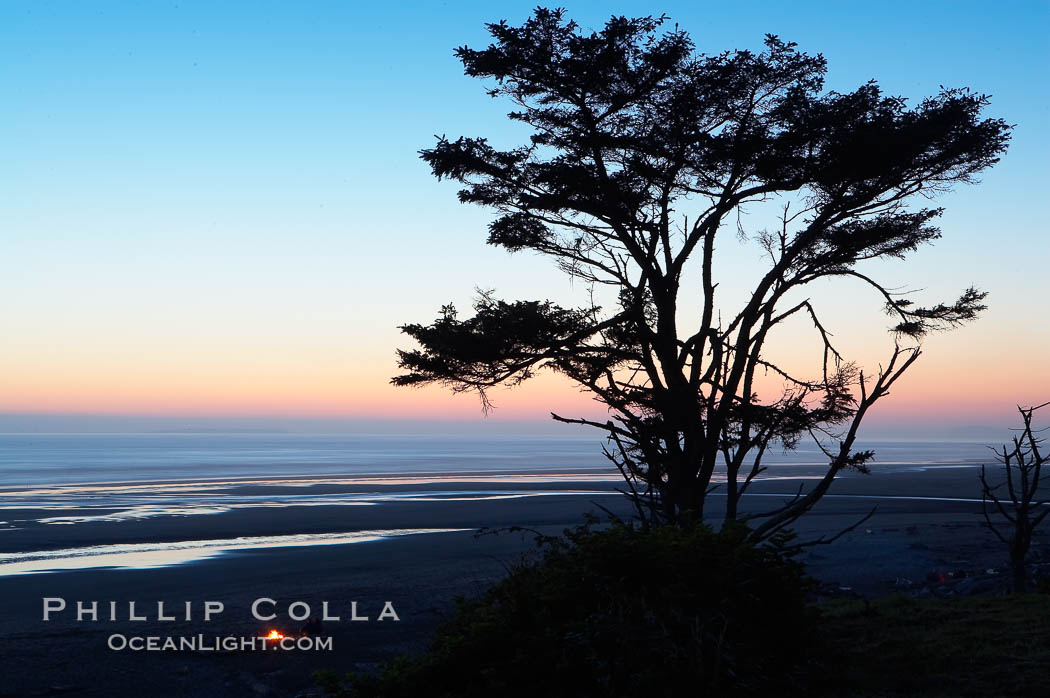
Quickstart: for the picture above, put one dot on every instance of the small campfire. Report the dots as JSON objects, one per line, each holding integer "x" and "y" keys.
{"x": 275, "y": 635}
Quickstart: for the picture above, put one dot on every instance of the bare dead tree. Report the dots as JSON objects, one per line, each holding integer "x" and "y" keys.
{"x": 1022, "y": 466}
{"x": 642, "y": 153}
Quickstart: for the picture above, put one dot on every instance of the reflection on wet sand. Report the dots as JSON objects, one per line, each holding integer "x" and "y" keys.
{"x": 152, "y": 555}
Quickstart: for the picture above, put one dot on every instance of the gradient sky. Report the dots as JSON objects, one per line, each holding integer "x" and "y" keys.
{"x": 218, "y": 208}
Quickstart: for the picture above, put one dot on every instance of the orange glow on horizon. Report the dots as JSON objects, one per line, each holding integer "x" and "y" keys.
{"x": 926, "y": 391}
{"x": 960, "y": 374}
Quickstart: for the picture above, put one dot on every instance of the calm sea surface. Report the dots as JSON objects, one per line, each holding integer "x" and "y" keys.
{"x": 51, "y": 480}
{"x": 70, "y": 459}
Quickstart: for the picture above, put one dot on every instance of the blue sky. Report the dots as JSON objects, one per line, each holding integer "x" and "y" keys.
{"x": 203, "y": 199}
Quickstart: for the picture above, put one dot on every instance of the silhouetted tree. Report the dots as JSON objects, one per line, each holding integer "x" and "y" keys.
{"x": 641, "y": 152}
{"x": 1022, "y": 463}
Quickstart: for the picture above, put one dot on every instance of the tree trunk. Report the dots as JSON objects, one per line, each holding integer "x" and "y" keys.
{"x": 1019, "y": 551}
{"x": 1019, "y": 583}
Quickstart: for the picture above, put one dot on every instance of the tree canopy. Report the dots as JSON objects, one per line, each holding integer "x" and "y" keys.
{"x": 642, "y": 152}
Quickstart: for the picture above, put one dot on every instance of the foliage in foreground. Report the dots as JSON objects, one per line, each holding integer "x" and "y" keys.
{"x": 896, "y": 647}
{"x": 619, "y": 612}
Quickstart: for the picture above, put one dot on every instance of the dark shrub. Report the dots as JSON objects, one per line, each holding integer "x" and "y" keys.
{"x": 619, "y": 612}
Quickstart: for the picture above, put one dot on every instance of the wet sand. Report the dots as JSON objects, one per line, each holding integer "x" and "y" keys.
{"x": 926, "y": 521}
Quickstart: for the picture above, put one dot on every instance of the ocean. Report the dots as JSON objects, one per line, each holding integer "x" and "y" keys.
{"x": 62, "y": 480}
{"x": 76, "y": 478}
{"x": 28, "y": 460}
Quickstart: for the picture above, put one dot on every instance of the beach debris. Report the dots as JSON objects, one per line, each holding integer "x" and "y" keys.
{"x": 960, "y": 582}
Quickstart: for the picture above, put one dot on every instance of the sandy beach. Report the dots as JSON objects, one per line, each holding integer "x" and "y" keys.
{"x": 927, "y": 523}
